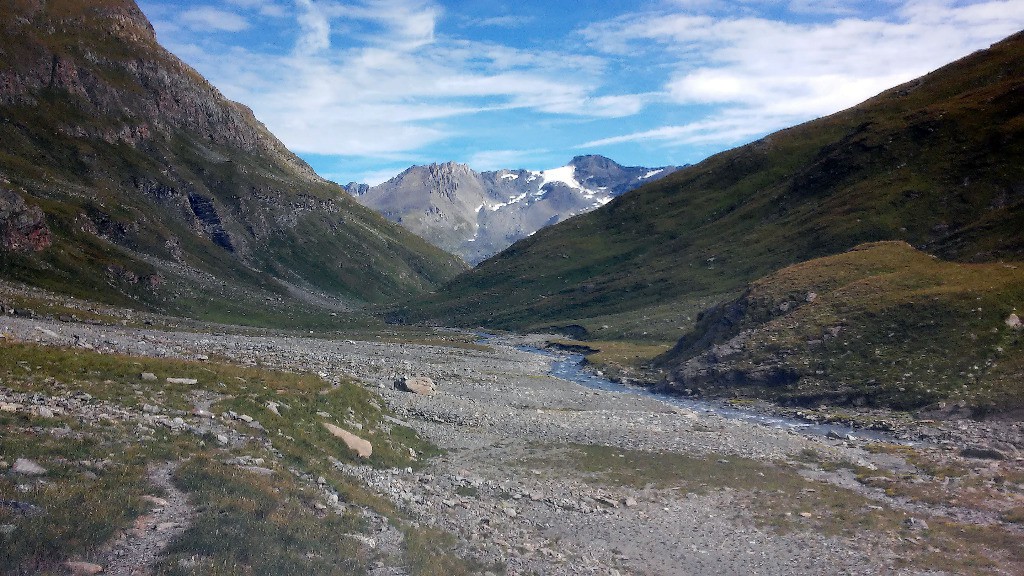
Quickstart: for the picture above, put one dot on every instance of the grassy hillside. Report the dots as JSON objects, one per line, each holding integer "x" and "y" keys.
{"x": 158, "y": 192}
{"x": 883, "y": 324}
{"x": 936, "y": 162}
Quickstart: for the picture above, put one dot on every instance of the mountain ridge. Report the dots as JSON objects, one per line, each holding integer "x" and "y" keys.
{"x": 477, "y": 214}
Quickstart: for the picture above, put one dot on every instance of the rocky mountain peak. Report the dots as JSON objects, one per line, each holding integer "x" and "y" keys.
{"x": 477, "y": 214}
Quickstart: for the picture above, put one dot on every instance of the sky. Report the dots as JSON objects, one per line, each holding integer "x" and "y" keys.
{"x": 363, "y": 89}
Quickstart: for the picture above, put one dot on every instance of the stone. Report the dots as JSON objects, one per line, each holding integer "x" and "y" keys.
{"x": 222, "y": 439}
{"x": 629, "y": 502}
{"x": 9, "y": 407}
{"x": 155, "y": 501}
{"x": 148, "y": 376}
{"x": 358, "y": 445}
{"x": 27, "y": 467}
{"x": 416, "y": 385}
{"x": 983, "y": 452}
{"x": 83, "y": 568}
{"x": 1013, "y": 321}
{"x": 186, "y": 381}
{"x": 273, "y": 407}
{"x": 44, "y": 412}
{"x": 915, "y": 524}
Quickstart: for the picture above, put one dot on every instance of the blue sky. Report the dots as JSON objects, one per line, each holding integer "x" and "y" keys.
{"x": 362, "y": 89}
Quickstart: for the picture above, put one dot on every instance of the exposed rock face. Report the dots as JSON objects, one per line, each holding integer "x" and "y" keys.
{"x": 124, "y": 145}
{"x": 22, "y": 227}
{"x": 478, "y": 214}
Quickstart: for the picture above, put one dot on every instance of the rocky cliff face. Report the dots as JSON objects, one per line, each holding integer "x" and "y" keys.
{"x": 22, "y": 227}
{"x": 478, "y": 214}
{"x": 138, "y": 162}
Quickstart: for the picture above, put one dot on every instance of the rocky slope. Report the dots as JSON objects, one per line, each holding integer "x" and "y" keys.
{"x": 881, "y": 325}
{"x": 478, "y": 214}
{"x": 125, "y": 176}
{"x": 539, "y": 475}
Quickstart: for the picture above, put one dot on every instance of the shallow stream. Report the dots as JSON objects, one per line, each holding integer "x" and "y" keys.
{"x": 571, "y": 367}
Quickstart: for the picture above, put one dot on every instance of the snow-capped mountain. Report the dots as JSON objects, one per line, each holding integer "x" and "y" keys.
{"x": 478, "y": 214}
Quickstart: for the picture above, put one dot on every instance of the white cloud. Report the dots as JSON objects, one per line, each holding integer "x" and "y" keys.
{"x": 262, "y": 7}
{"x": 213, "y": 19}
{"x": 374, "y": 79}
{"x": 761, "y": 75}
{"x": 516, "y": 21}
{"x": 498, "y": 159}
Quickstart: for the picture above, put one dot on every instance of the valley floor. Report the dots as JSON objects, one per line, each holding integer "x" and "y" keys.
{"x": 539, "y": 475}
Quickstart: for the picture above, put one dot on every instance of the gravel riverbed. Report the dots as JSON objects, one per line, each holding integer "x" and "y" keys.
{"x": 517, "y": 485}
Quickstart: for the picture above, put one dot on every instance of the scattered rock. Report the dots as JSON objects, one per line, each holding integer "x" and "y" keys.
{"x": 983, "y": 452}
{"x": 358, "y": 445}
{"x": 155, "y": 500}
{"x": 416, "y": 384}
{"x": 222, "y": 439}
{"x": 83, "y": 568}
{"x": 7, "y": 529}
{"x": 44, "y": 412}
{"x": 186, "y": 381}
{"x": 27, "y": 467}
{"x": 915, "y": 524}
{"x": 629, "y": 502}
{"x": 9, "y": 407}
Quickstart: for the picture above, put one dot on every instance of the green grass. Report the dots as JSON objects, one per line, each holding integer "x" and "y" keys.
{"x": 245, "y": 523}
{"x": 889, "y": 326}
{"x": 257, "y": 525}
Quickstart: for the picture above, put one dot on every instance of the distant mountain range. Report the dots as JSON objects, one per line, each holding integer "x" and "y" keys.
{"x": 477, "y": 214}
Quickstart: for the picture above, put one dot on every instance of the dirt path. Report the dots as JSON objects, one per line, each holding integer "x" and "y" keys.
{"x": 138, "y": 549}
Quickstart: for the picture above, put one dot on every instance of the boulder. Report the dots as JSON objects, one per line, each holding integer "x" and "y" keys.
{"x": 1013, "y": 321}
{"x": 27, "y": 467}
{"x": 148, "y": 376}
{"x": 416, "y": 384}
{"x": 983, "y": 452}
{"x": 356, "y": 444}
{"x": 83, "y": 568}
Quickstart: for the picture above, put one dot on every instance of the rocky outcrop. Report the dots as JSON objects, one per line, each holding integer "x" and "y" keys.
{"x": 22, "y": 227}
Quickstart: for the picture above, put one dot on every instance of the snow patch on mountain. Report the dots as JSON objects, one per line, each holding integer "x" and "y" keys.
{"x": 477, "y": 214}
